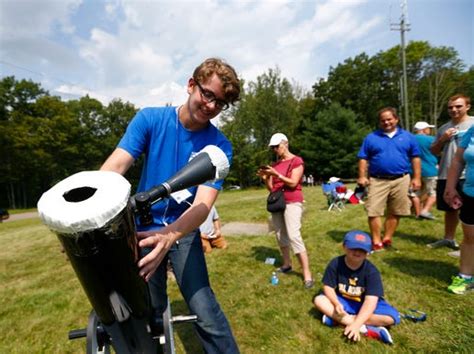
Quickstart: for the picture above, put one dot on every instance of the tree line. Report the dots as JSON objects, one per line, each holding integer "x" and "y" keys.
{"x": 45, "y": 139}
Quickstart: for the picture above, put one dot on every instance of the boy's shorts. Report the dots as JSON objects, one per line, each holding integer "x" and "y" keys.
{"x": 383, "y": 308}
{"x": 428, "y": 187}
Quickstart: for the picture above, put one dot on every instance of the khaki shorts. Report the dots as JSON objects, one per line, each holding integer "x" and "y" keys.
{"x": 287, "y": 225}
{"x": 428, "y": 187}
{"x": 392, "y": 194}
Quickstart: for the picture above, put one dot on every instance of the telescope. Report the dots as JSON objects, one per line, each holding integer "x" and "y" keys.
{"x": 93, "y": 216}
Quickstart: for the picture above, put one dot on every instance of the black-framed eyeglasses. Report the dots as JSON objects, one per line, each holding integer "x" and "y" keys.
{"x": 273, "y": 147}
{"x": 209, "y": 97}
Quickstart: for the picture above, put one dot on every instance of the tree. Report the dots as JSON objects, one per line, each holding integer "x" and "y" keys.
{"x": 267, "y": 106}
{"x": 331, "y": 142}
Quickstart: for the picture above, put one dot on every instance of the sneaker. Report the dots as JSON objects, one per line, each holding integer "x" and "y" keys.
{"x": 308, "y": 284}
{"x": 284, "y": 270}
{"x": 380, "y": 333}
{"x": 327, "y": 321}
{"x": 427, "y": 216}
{"x": 461, "y": 285}
{"x": 455, "y": 254}
{"x": 377, "y": 247}
{"x": 387, "y": 243}
{"x": 444, "y": 243}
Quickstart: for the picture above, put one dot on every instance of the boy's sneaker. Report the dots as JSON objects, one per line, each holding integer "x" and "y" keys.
{"x": 327, "y": 321}
{"x": 380, "y": 333}
{"x": 460, "y": 285}
{"x": 444, "y": 243}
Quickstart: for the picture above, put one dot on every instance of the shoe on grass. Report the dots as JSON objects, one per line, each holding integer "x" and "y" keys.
{"x": 308, "y": 284}
{"x": 427, "y": 216}
{"x": 377, "y": 247}
{"x": 327, "y": 321}
{"x": 380, "y": 333}
{"x": 460, "y": 285}
{"x": 444, "y": 243}
{"x": 284, "y": 270}
{"x": 455, "y": 254}
{"x": 387, "y": 244}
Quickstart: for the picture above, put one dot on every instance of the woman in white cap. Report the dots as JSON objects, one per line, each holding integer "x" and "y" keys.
{"x": 286, "y": 174}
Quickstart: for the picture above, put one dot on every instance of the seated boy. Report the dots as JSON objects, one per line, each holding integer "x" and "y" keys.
{"x": 211, "y": 236}
{"x": 353, "y": 293}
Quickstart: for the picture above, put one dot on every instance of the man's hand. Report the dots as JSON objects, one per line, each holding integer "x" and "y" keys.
{"x": 415, "y": 184}
{"x": 363, "y": 181}
{"x": 161, "y": 243}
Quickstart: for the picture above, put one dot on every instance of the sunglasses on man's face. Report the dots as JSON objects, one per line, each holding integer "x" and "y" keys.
{"x": 209, "y": 97}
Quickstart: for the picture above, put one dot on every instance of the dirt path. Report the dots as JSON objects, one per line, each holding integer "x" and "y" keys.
{"x": 29, "y": 215}
{"x": 247, "y": 229}
{"x": 228, "y": 229}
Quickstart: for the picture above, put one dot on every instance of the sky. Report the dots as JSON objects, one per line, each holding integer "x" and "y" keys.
{"x": 145, "y": 51}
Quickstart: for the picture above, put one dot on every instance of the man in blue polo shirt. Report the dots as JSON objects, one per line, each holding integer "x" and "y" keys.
{"x": 384, "y": 164}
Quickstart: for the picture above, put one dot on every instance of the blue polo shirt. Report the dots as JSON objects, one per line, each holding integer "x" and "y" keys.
{"x": 389, "y": 156}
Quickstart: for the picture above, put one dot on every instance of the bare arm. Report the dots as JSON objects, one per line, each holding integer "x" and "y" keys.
{"x": 362, "y": 168}
{"x": 455, "y": 169}
{"x": 330, "y": 293}
{"x": 291, "y": 181}
{"x": 162, "y": 240}
{"x": 217, "y": 228}
{"x": 119, "y": 161}
{"x": 416, "y": 178}
{"x": 352, "y": 331}
{"x": 437, "y": 147}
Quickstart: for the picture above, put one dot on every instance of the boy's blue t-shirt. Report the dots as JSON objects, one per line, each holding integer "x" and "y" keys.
{"x": 353, "y": 284}
{"x": 467, "y": 143}
{"x": 168, "y": 147}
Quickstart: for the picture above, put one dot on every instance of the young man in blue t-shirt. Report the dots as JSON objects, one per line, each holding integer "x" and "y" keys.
{"x": 169, "y": 137}
{"x": 352, "y": 293}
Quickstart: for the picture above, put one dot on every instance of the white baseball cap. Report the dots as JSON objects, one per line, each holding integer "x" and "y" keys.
{"x": 277, "y": 139}
{"x": 422, "y": 125}
{"x": 334, "y": 179}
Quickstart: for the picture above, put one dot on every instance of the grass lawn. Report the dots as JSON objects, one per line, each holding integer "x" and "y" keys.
{"x": 41, "y": 299}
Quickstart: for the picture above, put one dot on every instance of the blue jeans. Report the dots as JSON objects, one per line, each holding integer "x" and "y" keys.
{"x": 189, "y": 267}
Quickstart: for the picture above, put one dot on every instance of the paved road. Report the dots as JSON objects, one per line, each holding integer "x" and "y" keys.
{"x": 21, "y": 216}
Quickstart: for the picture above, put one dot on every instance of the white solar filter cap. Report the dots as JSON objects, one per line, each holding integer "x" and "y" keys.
{"x": 84, "y": 201}
{"x": 218, "y": 159}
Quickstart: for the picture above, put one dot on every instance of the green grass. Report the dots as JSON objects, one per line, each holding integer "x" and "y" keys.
{"x": 41, "y": 299}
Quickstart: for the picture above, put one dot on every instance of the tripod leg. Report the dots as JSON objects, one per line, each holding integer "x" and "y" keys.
{"x": 168, "y": 329}
{"x": 96, "y": 336}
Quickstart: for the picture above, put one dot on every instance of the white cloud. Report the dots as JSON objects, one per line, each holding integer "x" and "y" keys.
{"x": 144, "y": 51}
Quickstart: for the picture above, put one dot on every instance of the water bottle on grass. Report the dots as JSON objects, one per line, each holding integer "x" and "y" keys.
{"x": 274, "y": 279}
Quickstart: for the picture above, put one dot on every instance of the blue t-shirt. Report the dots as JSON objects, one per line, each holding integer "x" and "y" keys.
{"x": 389, "y": 156}
{"x": 353, "y": 284}
{"x": 168, "y": 147}
{"x": 428, "y": 160}
{"x": 467, "y": 143}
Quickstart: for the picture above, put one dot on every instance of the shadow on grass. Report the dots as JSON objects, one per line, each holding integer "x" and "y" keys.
{"x": 185, "y": 331}
{"x": 423, "y": 268}
{"x": 261, "y": 253}
{"x": 336, "y": 235}
{"x": 419, "y": 239}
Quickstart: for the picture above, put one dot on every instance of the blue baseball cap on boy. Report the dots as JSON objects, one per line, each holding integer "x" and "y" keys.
{"x": 356, "y": 239}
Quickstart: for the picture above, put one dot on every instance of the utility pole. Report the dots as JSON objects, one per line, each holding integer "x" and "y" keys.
{"x": 403, "y": 26}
